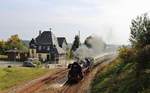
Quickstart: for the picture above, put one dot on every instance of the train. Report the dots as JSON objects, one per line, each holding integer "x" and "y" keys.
{"x": 79, "y": 69}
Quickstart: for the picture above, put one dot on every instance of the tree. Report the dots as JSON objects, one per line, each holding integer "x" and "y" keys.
{"x": 14, "y": 42}
{"x": 76, "y": 43}
{"x": 2, "y": 47}
{"x": 140, "y": 31}
{"x": 140, "y": 40}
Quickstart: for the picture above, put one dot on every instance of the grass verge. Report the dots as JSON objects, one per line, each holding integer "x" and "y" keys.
{"x": 10, "y": 77}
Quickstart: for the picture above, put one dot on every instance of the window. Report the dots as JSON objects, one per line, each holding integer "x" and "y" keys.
{"x": 43, "y": 47}
{"x": 39, "y": 48}
{"x": 48, "y": 48}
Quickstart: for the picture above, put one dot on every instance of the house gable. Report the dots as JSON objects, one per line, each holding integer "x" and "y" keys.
{"x": 61, "y": 41}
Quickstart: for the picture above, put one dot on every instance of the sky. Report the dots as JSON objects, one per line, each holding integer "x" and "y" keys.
{"x": 108, "y": 19}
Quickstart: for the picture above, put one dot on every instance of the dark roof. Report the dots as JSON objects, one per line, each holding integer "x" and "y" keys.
{"x": 45, "y": 38}
{"x": 32, "y": 44}
{"x": 61, "y": 40}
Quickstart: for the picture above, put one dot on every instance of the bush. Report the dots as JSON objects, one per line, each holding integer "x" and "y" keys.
{"x": 38, "y": 63}
{"x": 127, "y": 54}
{"x": 144, "y": 54}
{"x": 143, "y": 59}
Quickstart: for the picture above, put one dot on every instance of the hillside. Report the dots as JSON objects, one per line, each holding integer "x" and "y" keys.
{"x": 120, "y": 77}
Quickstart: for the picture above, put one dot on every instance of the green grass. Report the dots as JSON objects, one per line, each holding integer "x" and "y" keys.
{"x": 13, "y": 76}
{"x": 120, "y": 77}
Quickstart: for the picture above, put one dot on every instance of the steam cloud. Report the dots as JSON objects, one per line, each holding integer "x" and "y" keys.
{"x": 92, "y": 47}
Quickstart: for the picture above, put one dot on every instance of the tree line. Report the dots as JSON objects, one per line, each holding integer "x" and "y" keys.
{"x": 14, "y": 42}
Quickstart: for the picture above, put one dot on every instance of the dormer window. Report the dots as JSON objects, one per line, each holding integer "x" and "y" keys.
{"x": 48, "y": 48}
{"x": 39, "y": 48}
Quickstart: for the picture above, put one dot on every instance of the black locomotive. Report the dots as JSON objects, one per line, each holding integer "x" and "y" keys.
{"x": 79, "y": 69}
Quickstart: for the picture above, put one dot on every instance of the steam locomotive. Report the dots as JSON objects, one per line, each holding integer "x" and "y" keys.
{"x": 79, "y": 69}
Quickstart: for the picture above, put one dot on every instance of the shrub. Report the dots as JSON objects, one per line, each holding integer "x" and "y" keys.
{"x": 127, "y": 54}
{"x": 38, "y": 63}
{"x": 143, "y": 59}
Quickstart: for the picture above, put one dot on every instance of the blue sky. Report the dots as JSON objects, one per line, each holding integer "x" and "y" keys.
{"x": 109, "y": 19}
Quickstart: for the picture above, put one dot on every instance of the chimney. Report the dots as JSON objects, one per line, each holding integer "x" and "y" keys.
{"x": 40, "y": 32}
{"x": 50, "y": 29}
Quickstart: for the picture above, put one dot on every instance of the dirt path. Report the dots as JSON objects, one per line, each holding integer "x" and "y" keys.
{"x": 57, "y": 86}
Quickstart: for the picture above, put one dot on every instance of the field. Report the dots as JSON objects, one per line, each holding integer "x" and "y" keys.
{"x": 13, "y": 76}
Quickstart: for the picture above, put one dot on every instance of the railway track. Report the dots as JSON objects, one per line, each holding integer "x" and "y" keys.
{"x": 56, "y": 82}
{"x": 83, "y": 85}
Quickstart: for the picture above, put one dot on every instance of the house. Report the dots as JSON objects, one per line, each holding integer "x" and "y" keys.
{"x": 45, "y": 47}
{"x": 62, "y": 43}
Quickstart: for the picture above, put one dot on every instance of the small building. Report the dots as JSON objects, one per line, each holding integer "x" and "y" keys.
{"x": 16, "y": 55}
{"x": 45, "y": 47}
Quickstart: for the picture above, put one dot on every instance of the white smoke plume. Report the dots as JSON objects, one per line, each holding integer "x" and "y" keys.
{"x": 94, "y": 46}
